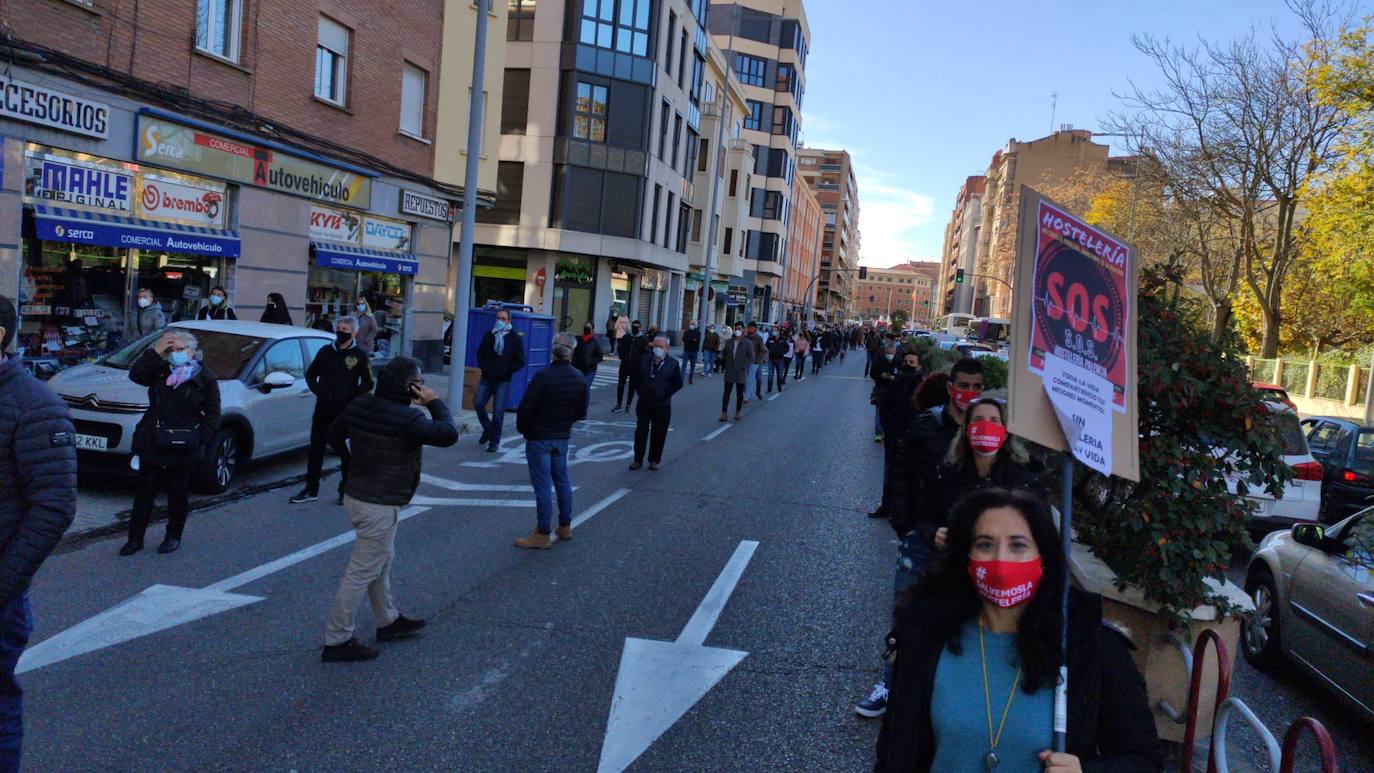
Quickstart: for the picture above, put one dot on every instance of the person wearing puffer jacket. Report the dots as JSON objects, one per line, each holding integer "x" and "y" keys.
{"x": 387, "y": 437}
{"x": 37, "y": 504}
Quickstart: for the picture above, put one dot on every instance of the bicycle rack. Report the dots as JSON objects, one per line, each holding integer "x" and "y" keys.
{"x": 1195, "y": 662}
{"x": 1324, "y": 745}
{"x": 1216, "y": 759}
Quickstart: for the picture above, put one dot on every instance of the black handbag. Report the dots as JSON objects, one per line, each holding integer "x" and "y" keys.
{"x": 170, "y": 439}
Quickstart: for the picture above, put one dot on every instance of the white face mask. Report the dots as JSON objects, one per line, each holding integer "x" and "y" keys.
{"x": 660, "y": 352}
{"x": 144, "y": 303}
{"x": 739, "y": 333}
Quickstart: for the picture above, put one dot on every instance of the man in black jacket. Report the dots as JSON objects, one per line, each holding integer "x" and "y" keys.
{"x": 587, "y": 356}
{"x": 555, "y": 400}
{"x": 628, "y": 348}
{"x": 660, "y": 378}
{"x": 37, "y": 504}
{"x": 387, "y": 436}
{"x": 895, "y": 414}
{"x": 500, "y": 355}
{"x": 338, "y": 374}
{"x": 691, "y": 346}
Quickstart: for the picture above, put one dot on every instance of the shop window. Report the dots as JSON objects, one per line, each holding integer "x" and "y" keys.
{"x": 413, "y": 81}
{"x": 217, "y": 27}
{"x": 331, "y": 61}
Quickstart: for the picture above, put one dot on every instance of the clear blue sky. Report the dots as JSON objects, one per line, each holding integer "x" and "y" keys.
{"x": 922, "y": 92}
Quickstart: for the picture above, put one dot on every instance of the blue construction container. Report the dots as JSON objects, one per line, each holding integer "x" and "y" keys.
{"x": 536, "y": 333}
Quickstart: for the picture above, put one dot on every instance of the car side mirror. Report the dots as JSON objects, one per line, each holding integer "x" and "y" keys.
{"x": 1309, "y": 534}
{"x": 277, "y": 379}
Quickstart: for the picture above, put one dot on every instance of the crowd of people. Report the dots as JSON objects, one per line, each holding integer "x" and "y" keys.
{"x": 973, "y": 658}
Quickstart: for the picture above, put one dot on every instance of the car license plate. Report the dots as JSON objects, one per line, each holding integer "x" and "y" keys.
{"x": 1258, "y": 506}
{"x": 94, "y": 442}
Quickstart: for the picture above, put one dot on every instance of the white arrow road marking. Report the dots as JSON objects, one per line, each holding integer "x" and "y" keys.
{"x": 453, "y": 485}
{"x": 457, "y": 502}
{"x": 659, "y": 681}
{"x": 717, "y": 433}
{"x": 166, "y": 606}
{"x": 774, "y": 397}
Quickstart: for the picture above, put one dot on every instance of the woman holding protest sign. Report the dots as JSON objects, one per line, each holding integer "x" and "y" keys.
{"x": 977, "y": 656}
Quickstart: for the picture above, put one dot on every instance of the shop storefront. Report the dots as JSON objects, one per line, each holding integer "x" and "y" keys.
{"x": 498, "y": 275}
{"x": 94, "y": 231}
{"x": 574, "y": 282}
{"x": 357, "y": 258}
{"x": 620, "y": 292}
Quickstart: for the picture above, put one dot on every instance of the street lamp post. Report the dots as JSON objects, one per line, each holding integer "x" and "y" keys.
{"x": 463, "y": 275}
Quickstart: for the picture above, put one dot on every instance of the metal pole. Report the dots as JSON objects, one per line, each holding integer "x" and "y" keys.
{"x": 463, "y": 276}
{"x": 1061, "y": 691}
{"x": 1369, "y": 396}
{"x": 715, "y": 197}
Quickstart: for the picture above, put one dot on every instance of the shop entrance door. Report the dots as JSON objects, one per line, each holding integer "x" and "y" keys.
{"x": 572, "y": 306}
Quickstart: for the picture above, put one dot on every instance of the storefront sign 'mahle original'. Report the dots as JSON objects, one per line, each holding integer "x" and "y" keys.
{"x": 54, "y": 109}
{"x": 186, "y": 147}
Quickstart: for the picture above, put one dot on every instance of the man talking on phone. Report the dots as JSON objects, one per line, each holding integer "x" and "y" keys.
{"x": 386, "y": 435}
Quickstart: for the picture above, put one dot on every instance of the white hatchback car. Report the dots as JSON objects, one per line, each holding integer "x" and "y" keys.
{"x": 1302, "y": 497}
{"x": 264, "y": 403}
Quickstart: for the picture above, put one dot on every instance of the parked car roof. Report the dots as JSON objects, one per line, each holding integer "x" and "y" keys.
{"x": 1342, "y": 420}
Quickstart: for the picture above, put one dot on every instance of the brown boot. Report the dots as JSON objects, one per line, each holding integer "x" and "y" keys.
{"x": 536, "y": 541}
{"x": 722, "y": 416}
{"x": 564, "y": 533}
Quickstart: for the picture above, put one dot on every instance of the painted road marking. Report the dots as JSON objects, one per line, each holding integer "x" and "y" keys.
{"x": 658, "y": 682}
{"x": 774, "y": 397}
{"x": 717, "y": 433}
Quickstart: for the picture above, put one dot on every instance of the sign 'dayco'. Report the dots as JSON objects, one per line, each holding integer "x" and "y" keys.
{"x": 1073, "y": 365}
{"x": 179, "y": 146}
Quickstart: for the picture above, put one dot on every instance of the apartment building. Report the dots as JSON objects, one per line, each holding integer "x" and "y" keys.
{"x": 265, "y": 147}
{"x": 909, "y": 287}
{"x": 600, "y": 132}
{"x": 802, "y": 271}
{"x": 961, "y": 240}
{"x": 1065, "y": 165}
{"x": 766, "y": 41}
{"x": 830, "y": 173}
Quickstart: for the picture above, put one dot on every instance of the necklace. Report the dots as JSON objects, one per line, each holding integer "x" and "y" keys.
{"x": 990, "y": 761}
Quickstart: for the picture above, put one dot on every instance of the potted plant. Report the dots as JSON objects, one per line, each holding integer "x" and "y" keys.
{"x": 1158, "y": 550}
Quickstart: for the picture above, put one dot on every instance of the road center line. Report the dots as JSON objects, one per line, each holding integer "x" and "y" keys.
{"x": 704, "y": 619}
{"x": 271, "y": 567}
{"x": 717, "y": 433}
{"x": 453, "y": 485}
{"x": 599, "y": 506}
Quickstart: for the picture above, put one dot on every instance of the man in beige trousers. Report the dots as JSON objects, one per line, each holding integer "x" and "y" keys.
{"x": 386, "y": 436}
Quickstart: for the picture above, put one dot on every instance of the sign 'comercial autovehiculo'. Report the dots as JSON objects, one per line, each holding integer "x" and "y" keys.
{"x": 179, "y": 146}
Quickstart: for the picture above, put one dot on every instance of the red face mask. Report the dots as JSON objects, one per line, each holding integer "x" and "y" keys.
{"x": 1006, "y": 583}
{"x": 986, "y": 437}
{"x": 962, "y": 397}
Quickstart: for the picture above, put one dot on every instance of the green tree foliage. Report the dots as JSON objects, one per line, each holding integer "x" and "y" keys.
{"x": 1200, "y": 421}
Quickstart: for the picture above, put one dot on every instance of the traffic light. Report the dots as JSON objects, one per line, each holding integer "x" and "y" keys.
{"x": 958, "y": 276}
{"x": 863, "y": 272}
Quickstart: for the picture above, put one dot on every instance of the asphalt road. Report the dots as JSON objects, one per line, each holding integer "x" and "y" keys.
{"x": 518, "y": 668}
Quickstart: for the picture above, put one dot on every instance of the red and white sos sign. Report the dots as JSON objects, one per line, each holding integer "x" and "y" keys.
{"x": 1079, "y": 308}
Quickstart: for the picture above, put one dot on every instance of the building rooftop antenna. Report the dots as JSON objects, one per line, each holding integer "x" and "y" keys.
{"x": 1054, "y": 104}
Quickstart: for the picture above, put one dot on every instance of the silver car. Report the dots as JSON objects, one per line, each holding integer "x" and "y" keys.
{"x": 264, "y": 403}
{"x": 1313, "y": 589}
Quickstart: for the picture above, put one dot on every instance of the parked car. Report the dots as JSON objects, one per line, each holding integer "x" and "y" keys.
{"x": 1313, "y": 590}
{"x": 1345, "y": 449}
{"x": 1274, "y": 392}
{"x": 264, "y": 403}
{"x": 1302, "y": 497}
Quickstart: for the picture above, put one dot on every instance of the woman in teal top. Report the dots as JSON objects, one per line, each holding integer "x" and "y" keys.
{"x": 978, "y": 658}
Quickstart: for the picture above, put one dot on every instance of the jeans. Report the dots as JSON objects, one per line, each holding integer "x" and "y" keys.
{"x": 777, "y": 371}
{"x": 324, "y": 415}
{"x": 689, "y": 362}
{"x": 739, "y": 397}
{"x": 751, "y": 382}
{"x": 16, "y": 623}
{"x": 369, "y": 569}
{"x": 877, "y": 421}
{"x": 801, "y": 366}
{"x": 590, "y": 378}
{"x": 154, "y": 476}
{"x": 651, "y": 430}
{"x": 913, "y": 557}
{"x": 708, "y": 362}
{"x": 491, "y": 425}
{"x": 548, "y": 463}
{"x": 624, "y": 379}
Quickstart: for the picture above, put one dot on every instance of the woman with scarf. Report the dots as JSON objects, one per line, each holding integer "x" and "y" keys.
{"x": 366, "y": 334}
{"x": 217, "y": 306}
{"x": 182, "y": 416}
{"x": 977, "y": 658}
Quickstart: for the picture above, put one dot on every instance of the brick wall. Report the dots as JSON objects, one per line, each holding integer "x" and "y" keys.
{"x": 275, "y": 73}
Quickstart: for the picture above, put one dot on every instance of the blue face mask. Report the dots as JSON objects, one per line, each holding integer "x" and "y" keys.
{"x": 179, "y": 358}
{"x": 500, "y": 326}
{"x": 216, "y": 300}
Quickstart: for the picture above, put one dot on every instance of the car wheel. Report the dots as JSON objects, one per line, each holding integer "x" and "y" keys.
{"x": 220, "y": 464}
{"x": 1259, "y": 632}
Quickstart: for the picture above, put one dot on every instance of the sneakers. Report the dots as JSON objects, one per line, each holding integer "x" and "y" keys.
{"x": 306, "y": 495}
{"x": 616, "y": 409}
{"x": 536, "y": 541}
{"x": 350, "y": 651}
{"x": 875, "y": 704}
{"x": 401, "y": 628}
{"x": 564, "y": 533}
